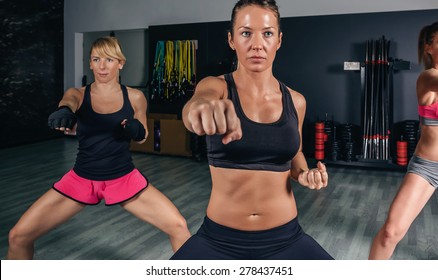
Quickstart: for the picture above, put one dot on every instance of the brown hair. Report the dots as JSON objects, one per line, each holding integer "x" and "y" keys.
{"x": 108, "y": 47}
{"x": 268, "y": 4}
{"x": 426, "y": 36}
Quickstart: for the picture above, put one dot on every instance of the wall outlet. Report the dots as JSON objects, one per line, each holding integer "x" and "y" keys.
{"x": 351, "y": 65}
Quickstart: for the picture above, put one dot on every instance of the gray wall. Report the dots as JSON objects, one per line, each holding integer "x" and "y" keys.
{"x": 314, "y": 48}
{"x": 82, "y": 16}
{"x": 319, "y": 38}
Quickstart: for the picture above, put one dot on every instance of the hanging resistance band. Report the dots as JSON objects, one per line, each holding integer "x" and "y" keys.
{"x": 169, "y": 69}
{"x": 174, "y": 72}
{"x": 158, "y": 72}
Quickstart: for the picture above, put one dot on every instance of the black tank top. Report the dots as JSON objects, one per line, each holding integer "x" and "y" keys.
{"x": 264, "y": 146}
{"x": 100, "y": 156}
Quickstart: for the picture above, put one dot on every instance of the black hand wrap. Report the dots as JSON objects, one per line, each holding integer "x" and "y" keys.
{"x": 62, "y": 117}
{"x": 133, "y": 129}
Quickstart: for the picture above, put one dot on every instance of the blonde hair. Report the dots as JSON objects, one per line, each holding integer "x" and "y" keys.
{"x": 108, "y": 47}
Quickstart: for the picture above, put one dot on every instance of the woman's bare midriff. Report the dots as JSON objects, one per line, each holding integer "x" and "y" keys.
{"x": 427, "y": 146}
{"x": 251, "y": 199}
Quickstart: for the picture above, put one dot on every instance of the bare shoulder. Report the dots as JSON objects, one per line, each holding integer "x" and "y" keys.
{"x": 427, "y": 85}
{"x": 213, "y": 80}
{"x": 298, "y": 99}
{"x": 76, "y": 93}
{"x": 74, "y": 90}
{"x": 212, "y": 85}
{"x": 428, "y": 77}
{"x": 135, "y": 94}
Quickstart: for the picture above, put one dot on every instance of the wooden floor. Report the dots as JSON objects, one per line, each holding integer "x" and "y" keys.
{"x": 343, "y": 218}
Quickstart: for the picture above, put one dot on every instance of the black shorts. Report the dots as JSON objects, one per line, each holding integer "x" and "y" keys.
{"x": 217, "y": 242}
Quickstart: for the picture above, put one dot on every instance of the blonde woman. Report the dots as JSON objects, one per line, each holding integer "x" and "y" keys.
{"x": 108, "y": 116}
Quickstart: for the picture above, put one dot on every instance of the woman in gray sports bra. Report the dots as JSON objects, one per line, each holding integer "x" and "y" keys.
{"x": 421, "y": 179}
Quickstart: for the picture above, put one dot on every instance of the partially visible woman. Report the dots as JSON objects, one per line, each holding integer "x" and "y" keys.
{"x": 421, "y": 179}
{"x": 108, "y": 116}
{"x": 253, "y": 124}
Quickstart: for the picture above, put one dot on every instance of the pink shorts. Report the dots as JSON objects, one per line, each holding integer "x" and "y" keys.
{"x": 92, "y": 192}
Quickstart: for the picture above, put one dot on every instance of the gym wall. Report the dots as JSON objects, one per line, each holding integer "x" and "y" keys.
{"x": 312, "y": 56}
{"x": 311, "y": 60}
{"x": 213, "y": 56}
{"x": 31, "y": 70}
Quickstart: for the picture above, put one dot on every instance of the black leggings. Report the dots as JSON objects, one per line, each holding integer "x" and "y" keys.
{"x": 217, "y": 242}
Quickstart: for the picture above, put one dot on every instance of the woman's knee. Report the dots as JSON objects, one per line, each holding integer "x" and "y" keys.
{"x": 178, "y": 225}
{"x": 19, "y": 237}
{"x": 392, "y": 233}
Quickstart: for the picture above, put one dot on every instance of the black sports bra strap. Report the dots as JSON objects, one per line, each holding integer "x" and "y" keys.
{"x": 288, "y": 101}
{"x": 125, "y": 94}
{"x": 87, "y": 93}
{"x": 229, "y": 80}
